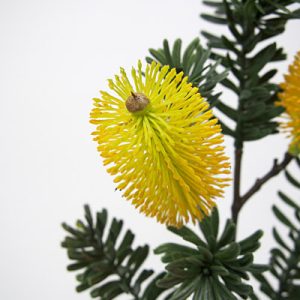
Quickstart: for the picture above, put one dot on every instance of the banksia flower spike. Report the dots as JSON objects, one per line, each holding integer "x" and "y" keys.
{"x": 290, "y": 100}
{"x": 160, "y": 140}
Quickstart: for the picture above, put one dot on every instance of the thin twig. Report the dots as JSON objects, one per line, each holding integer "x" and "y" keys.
{"x": 238, "y": 200}
{"x": 276, "y": 169}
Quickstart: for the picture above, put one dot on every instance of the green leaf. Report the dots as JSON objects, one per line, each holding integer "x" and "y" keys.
{"x": 168, "y": 281}
{"x": 152, "y": 291}
{"x": 288, "y": 201}
{"x": 106, "y": 289}
{"x": 238, "y": 287}
{"x": 159, "y": 56}
{"x": 267, "y": 76}
{"x": 215, "y": 222}
{"x": 188, "y": 52}
{"x": 217, "y": 4}
{"x": 137, "y": 258}
{"x": 230, "y": 45}
{"x": 214, "y": 41}
{"x": 145, "y": 274}
{"x": 222, "y": 290}
{"x": 282, "y": 218}
{"x": 209, "y": 229}
{"x": 228, "y": 111}
{"x": 205, "y": 290}
{"x": 280, "y": 241}
{"x": 114, "y": 232}
{"x": 292, "y": 180}
{"x": 229, "y": 253}
{"x": 257, "y": 268}
{"x": 265, "y": 286}
{"x": 250, "y": 244}
{"x": 219, "y": 270}
{"x": 255, "y": 133}
{"x": 100, "y": 225}
{"x": 226, "y": 130}
{"x": 88, "y": 216}
{"x": 167, "y": 53}
{"x": 187, "y": 234}
{"x": 261, "y": 59}
{"x": 186, "y": 289}
{"x": 214, "y": 19}
{"x": 228, "y": 234}
{"x": 230, "y": 85}
{"x": 126, "y": 242}
{"x": 176, "y": 53}
{"x": 175, "y": 248}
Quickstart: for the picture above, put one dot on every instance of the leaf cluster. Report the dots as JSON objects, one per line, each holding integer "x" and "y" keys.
{"x": 194, "y": 62}
{"x": 246, "y": 52}
{"x": 215, "y": 268}
{"x": 109, "y": 268}
{"x": 285, "y": 258}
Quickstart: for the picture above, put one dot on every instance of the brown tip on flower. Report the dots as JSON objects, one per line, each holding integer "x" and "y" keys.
{"x": 136, "y": 102}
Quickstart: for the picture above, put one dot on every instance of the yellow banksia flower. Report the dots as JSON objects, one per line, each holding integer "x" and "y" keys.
{"x": 162, "y": 143}
{"x": 290, "y": 100}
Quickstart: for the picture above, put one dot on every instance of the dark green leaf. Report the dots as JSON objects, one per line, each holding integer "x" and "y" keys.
{"x": 249, "y": 244}
{"x": 282, "y": 218}
{"x": 214, "y": 19}
{"x": 292, "y": 180}
{"x": 229, "y": 253}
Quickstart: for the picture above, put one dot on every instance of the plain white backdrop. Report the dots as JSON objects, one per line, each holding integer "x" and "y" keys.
{"x": 54, "y": 57}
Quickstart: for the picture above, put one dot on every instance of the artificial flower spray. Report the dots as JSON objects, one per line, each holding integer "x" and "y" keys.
{"x": 157, "y": 131}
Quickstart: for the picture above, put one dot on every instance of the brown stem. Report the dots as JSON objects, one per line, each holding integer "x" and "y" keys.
{"x": 238, "y": 200}
{"x": 276, "y": 169}
{"x": 236, "y": 183}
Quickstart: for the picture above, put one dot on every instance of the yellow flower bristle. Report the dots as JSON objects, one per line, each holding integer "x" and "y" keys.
{"x": 290, "y": 100}
{"x": 167, "y": 157}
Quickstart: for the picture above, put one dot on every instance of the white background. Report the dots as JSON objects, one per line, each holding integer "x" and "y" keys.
{"x": 54, "y": 57}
